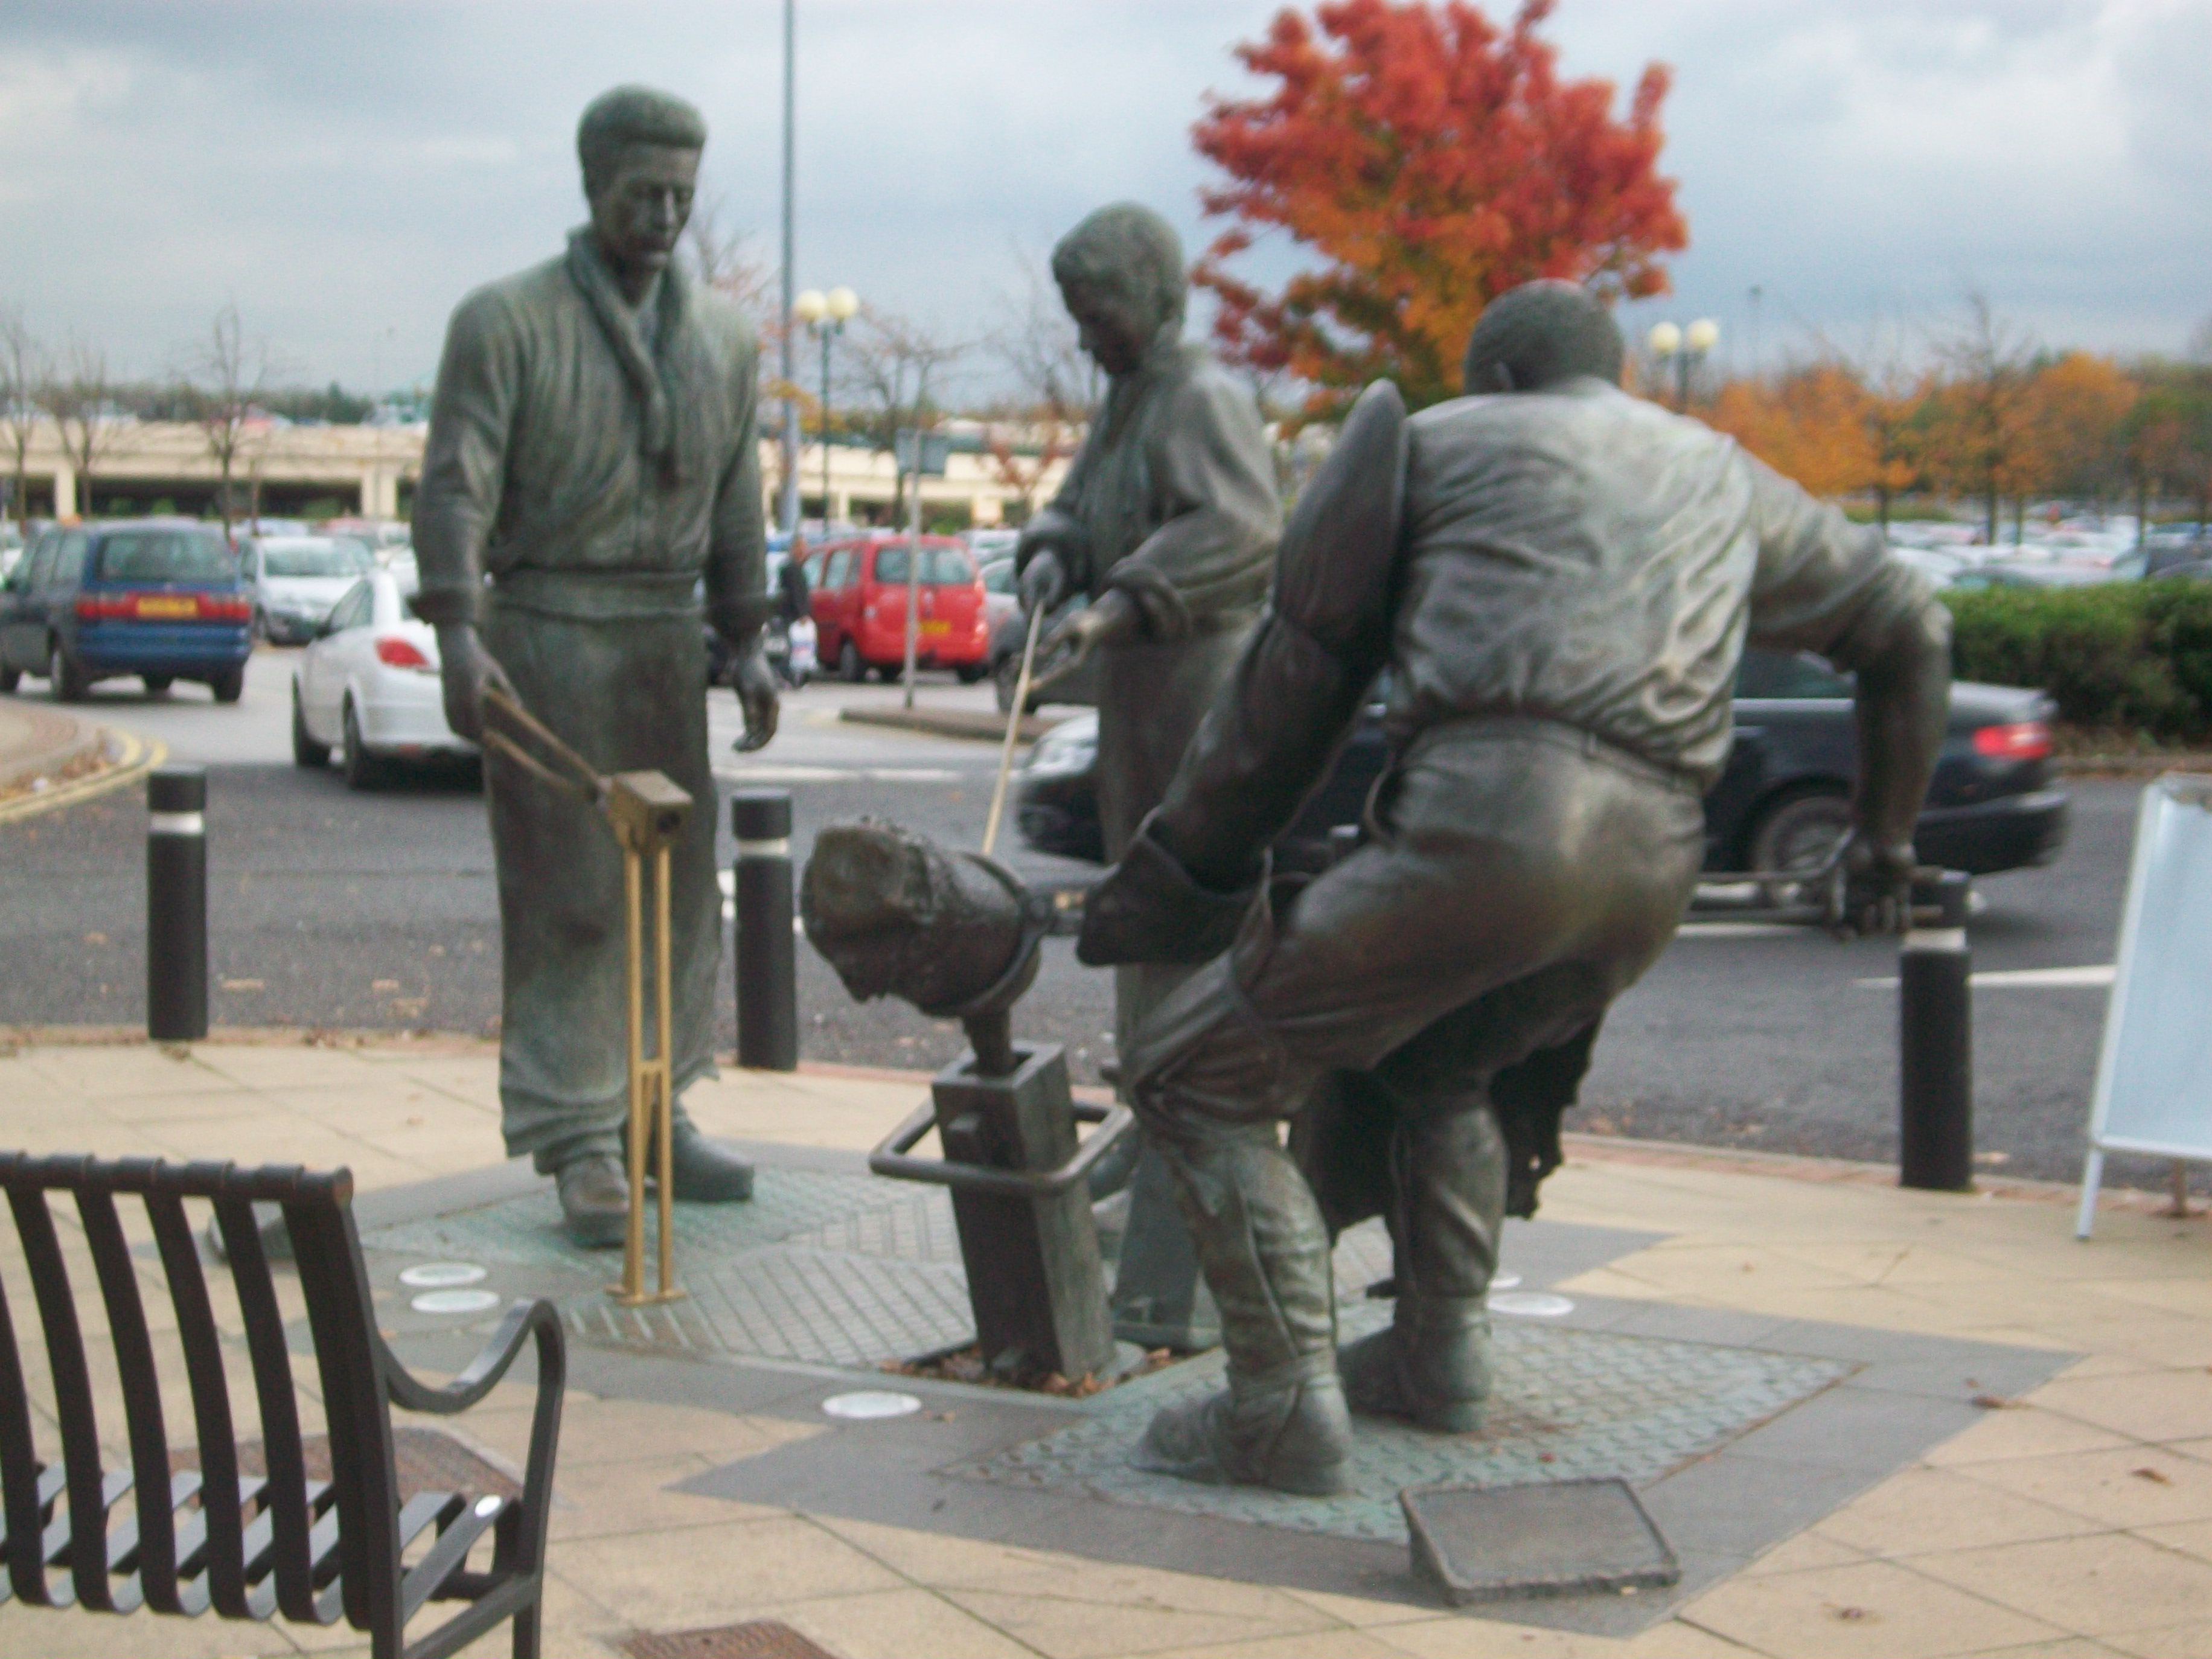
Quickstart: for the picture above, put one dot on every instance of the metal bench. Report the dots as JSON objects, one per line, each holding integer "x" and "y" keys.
{"x": 152, "y": 1534}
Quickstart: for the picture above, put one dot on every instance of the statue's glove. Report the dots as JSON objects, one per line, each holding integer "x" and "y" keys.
{"x": 1110, "y": 618}
{"x": 1148, "y": 908}
{"x": 467, "y": 671}
{"x": 1043, "y": 583}
{"x": 755, "y": 682}
{"x": 1870, "y": 888}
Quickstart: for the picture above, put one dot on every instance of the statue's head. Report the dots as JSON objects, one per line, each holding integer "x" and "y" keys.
{"x": 1120, "y": 272}
{"x": 1538, "y": 334}
{"x": 640, "y": 153}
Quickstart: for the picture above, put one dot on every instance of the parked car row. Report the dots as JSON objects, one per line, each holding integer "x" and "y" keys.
{"x": 1782, "y": 804}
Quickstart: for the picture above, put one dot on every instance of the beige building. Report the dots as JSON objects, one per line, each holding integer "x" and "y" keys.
{"x": 163, "y": 467}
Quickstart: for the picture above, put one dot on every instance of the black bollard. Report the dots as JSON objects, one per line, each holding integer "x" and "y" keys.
{"x": 1936, "y": 1036}
{"x": 176, "y": 904}
{"x": 767, "y": 955}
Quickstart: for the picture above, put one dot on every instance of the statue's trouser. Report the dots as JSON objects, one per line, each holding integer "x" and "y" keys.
{"x": 1519, "y": 876}
{"x": 625, "y": 692}
{"x": 1151, "y": 699}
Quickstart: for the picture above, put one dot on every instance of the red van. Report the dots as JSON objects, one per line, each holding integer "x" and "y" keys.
{"x": 858, "y": 589}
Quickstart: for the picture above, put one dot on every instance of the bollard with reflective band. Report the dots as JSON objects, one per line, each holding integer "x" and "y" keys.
{"x": 176, "y": 904}
{"x": 767, "y": 953}
{"x": 1936, "y": 1032}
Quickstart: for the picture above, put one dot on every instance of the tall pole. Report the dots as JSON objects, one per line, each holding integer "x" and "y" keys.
{"x": 787, "y": 512}
{"x": 827, "y": 329}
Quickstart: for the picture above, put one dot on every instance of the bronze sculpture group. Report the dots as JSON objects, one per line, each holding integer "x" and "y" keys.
{"x": 1557, "y": 579}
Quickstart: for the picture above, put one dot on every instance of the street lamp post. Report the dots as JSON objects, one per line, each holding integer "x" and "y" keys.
{"x": 825, "y": 316}
{"x": 1685, "y": 346}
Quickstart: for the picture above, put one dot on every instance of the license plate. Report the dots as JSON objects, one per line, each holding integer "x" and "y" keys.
{"x": 929, "y": 629}
{"x": 154, "y": 605}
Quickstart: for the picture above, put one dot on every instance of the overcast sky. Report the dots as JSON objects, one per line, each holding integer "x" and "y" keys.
{"x": 345, "y": 171}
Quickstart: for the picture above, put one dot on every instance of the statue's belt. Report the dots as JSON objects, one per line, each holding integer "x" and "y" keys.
{"x": 598, "y": 595}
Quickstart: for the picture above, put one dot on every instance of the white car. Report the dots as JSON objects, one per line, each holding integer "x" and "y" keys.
{"x": 297, "y": 580}
{"x": 367, "y": 686}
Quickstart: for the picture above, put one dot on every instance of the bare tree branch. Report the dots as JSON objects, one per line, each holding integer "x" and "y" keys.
{"x": 887, "y": 371}
{"x": 226, "y": 378}
{"x": 23, "y": 371}
{"x": 79, "y": 397}
{"x": 1056, "y": 385}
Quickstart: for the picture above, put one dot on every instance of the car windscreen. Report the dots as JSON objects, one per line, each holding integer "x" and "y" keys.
{"x": 941, "y": 567}
{"x": 315, "y": 559}
{"x": 164, "y": 555}
{"x": 1780, "y": 675}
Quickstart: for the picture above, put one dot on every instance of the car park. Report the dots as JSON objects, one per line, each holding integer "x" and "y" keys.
{"x": 1001, "y": 595}
{"x": 367, "y": 687}
{"x": 157, "y": 598}
{"x": 1782, "y": 804}
{"x": 859, "y": 599}
{"x": 297, "y": 580}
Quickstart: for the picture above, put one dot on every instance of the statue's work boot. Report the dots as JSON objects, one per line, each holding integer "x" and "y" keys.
{"x": 1294, "y": 1437}
{"x": 705, "y": 1173}
{"x": 594, "y": 1200}
{"x": 1431, "y": 1367}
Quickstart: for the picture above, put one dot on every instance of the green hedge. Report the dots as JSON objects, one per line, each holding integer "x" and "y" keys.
{"x": 2126, "y": 656}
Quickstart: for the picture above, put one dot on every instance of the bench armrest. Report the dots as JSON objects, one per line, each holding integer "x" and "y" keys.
{"x": 483, "y": 1372}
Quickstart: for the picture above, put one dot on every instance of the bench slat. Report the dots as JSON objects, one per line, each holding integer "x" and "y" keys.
{"x": 25, "y": 1490}
{"x": 50, "y": 1282}
{"x": 153, "y": 1535}
{"x": 424, "y": 1579}
{"x": 222, "y": 1503}
{"x": 280, "y": 1411}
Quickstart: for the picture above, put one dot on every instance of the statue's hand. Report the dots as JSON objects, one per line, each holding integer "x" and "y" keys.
{"x": 1044, "y": 583}
{"x": 1870, "y": 890}
{"x": 756, "y": 695}
{"x": 1108, "y": 620}
{"x": 467, "y": 671}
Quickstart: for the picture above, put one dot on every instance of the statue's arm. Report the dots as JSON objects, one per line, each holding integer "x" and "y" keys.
{"x": 1278, "y": 721}
{"x": 1214, "y": 475}
{"x": 737, "y": 553}
{"x": 464, "y": 459}
{"x": 1830, "y": 587}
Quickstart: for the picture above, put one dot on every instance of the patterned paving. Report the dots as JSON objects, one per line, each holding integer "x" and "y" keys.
{"x": 1570, "y": 1404}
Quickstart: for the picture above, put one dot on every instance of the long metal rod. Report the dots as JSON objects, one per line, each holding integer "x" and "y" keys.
{"x": 1013, "y": 731}
{"x": 633, "y": 1281}
{"x": 664, "y": 1076}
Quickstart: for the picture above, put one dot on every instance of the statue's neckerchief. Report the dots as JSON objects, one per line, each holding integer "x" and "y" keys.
{"x": 641, "y": 366}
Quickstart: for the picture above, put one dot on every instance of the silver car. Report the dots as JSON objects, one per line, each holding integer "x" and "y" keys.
{"x": 297, "y": 580}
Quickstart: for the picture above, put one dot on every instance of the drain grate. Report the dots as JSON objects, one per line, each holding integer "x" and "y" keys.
{"x": 761, "y": 1639}
{"x": 428, "y": 1460}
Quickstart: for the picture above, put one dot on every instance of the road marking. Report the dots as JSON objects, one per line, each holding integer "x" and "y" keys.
{"x": 135, "y": 757}
{"x": 838, "y": 775}
{"x": 1744, "y": 930}
{"x": 2095, "y": 976}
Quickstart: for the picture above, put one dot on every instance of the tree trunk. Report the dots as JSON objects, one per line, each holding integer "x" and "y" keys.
{"x": 2142, "y": 506}
{"x": 1989, "y": 511}
{"x": 1881, "y": 505}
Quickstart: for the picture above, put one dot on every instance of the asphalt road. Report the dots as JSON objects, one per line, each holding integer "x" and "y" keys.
{"x": 330, "y": 908}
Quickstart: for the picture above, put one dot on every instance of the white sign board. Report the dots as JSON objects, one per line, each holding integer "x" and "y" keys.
{"x": 2155, "y": 1074}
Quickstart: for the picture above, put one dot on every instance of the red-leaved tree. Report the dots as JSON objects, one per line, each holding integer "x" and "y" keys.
{"x": 1434, "y": 160}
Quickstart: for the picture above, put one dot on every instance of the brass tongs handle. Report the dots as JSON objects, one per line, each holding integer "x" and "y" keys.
{"x": 581, "y": 780}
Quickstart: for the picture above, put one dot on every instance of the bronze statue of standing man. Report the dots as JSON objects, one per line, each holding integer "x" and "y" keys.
{"x": 1168, "y": 521}
{"x": 593, "y": 456}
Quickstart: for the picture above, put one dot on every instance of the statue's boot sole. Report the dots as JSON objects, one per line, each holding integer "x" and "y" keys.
{"x": 1309, "y": 1456}
{"x": 597, "y": 1230}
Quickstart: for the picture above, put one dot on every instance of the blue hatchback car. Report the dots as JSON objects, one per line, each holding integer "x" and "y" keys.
{"x": 161, "y": 598}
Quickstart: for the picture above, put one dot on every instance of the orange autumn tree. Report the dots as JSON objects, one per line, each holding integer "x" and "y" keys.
{"x": 1433, "y": 161}
{"x": 1814, "y": 424}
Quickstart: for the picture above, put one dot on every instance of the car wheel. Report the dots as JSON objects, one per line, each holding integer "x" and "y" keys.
{"x": 850, "y": 668}
{"x": 1799, "y": 832}
{"x": 63, "y": 678}
{"x": 362, "y": 769}
{"x": 228, "y": 685}
{"x": 306, "y": 751}
{"x": 157, "y": 685}
{"x": 10, "y": 679}
{"x": 968, "y": 673}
